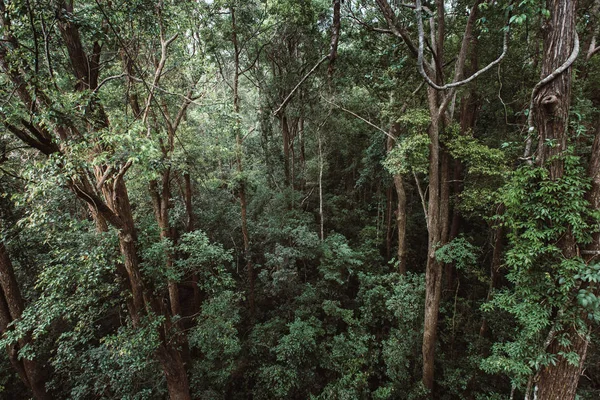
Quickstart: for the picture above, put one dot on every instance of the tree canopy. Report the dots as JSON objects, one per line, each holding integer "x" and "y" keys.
{"x": 299, "y": 199}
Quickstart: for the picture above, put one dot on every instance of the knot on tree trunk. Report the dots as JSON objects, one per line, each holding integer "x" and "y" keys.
{"x": 550, "y": 102}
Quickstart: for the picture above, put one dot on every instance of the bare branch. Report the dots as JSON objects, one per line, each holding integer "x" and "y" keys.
{"x": 106, "y": 80}
{"x": 157, "y": 74}
{"x": 361, "y": 118}
{"x": 390, "y": 18}
{"x": 104, "y": 178}
{"x": 295, "y": 89}
{"x": 459, "y": 67}
{"x": 422, "y": 196}
{"x": 596, "y": 29}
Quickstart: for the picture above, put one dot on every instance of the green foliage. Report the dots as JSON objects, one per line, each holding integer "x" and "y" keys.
{"x": 331, "y": 319}
{"x": 540, "y": 213}
{"x": 216, "y": 336}
{"x": 412, "y": 150}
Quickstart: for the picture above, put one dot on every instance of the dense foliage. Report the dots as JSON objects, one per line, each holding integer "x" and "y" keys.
{"x": 287, "y": 199}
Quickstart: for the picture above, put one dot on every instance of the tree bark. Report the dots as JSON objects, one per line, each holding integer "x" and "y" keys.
{"x": 433, "y": 271}
{"x": 11, "y": 308}
{"x": 551, "y": 111}
{"x": 553, "y": 101}
{"x": 400, "y": 206}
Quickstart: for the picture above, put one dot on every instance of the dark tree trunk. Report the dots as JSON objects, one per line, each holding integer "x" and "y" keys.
{"x": 11, "y": 308}
{"x": 389, "y": 199}
{"x": 175, "y": 373}
{"x": 285, "y": 132}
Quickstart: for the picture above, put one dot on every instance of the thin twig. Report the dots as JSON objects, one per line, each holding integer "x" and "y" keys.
{"x": 422, "y": 196}
{"x": 359, "y": 117}
{"x": 295, "y": 89}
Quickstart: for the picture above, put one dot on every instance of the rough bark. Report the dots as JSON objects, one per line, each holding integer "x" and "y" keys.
{"x": 551, "y": 111}
{"x": 553, "y": 101}
{"x": 335, "y": 36}
{"x": 175, "y": 373}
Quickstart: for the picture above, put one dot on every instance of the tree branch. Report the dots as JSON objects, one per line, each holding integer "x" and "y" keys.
{"x": 459, "y": 68}
{"x": 543, "y": 83}
{"x": 293, "y": 92}
{"x": 361, "y": 118}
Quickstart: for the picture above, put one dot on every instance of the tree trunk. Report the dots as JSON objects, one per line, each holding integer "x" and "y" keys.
{"x": 239, "y": 154}
{"x": 285, "y": 132}
{"x": 401, "y": 205}
{"x": 175, "y": 373}
{"x": 433, "y": 271}
{"x": 389, "y": 199}
{"x": 551, "y": 112}
{"x": 553, "y": 101}
{"x": 11, "y": 308}
{"x": 401, "y": 223}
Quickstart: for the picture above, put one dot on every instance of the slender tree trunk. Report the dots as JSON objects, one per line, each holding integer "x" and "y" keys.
{"x": 400, "y": 206}
{"x": 494, "y": 268}
{"x": 161, "y": 202}
{"x": 285, "y": 131}
{"x": 190, "y": 227}
{"x": 11, "y": 308}
{"x": 389, "y": 211}
{"x": 321, "y": 213}
{"x": 239, "y": 151}
{"x": 401, "y": 223}
{"x": 433, "y": 271}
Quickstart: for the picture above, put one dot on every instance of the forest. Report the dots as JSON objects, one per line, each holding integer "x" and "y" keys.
{"x": 300, "y": 199}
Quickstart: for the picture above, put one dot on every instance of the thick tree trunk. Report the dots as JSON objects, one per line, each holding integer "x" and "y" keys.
{"x": 551, "y": 112}
{"x": 553, "y": 101}
{"x": 175, "y": 373}
{"x": 559, "y": 382}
